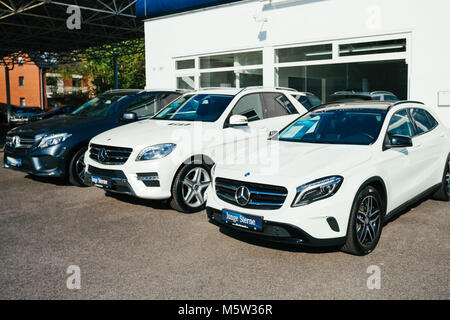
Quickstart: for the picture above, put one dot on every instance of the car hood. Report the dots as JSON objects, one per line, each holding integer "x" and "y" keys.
{"x": 61, "y": 124}
{"x": 149, "y": 132}
{"x": 292, "y": 164}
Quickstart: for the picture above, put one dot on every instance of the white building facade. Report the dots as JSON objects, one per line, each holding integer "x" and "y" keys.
{"x": 320, "y": 46}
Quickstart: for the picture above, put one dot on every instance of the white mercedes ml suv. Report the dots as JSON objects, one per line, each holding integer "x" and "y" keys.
{"x": 171, "y": 154}
{"x": 343, "y": 170}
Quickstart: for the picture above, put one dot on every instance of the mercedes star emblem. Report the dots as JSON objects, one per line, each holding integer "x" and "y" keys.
{"x": 242, "y": 196}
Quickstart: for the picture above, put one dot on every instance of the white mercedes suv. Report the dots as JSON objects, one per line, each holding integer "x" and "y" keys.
{"x": 343, "y": 169}
{"x": 171, "y": 154}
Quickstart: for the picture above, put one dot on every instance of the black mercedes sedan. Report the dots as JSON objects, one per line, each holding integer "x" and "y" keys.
{"x": 56, "y": 146}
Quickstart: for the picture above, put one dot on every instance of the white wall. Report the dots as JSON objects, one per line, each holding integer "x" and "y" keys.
{"x": 234, "y": 27}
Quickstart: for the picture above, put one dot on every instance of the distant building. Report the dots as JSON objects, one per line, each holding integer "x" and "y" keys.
{"x": 26, "y": 83}
{"x": 33, "y": 87}
{"x": 320, "y": 46}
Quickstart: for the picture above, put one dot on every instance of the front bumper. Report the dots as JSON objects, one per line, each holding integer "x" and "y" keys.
{"x": 323, "y": 221}
{"x": 276, "y": 232}
{"x": 18, "y": 122}
{"x": 40, "y": 162}
{"x": 126, "y": 178}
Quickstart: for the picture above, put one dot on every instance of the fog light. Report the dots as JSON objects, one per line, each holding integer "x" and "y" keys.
{"x": 150, "y": 179}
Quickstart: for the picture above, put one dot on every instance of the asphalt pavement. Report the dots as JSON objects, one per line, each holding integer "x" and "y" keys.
{"x": 129, "y": 248}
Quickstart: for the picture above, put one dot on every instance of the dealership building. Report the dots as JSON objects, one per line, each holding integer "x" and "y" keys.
{"x": 319, "y": 46}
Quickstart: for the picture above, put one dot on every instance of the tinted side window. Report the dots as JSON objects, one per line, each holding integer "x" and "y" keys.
{"x": 433, "y": 121}
{"x": 167, "y": 98}
{"x": 400, "y": 124}
{"x": 249, "y": 106}
{"x": 276, "y": 105}
{"x": 421, "y": 120}
{"x": 305, "y": 102}
{"x": 145, "y": 105}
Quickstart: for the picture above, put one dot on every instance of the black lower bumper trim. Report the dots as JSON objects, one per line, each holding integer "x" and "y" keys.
{"x": 277, "y": 232}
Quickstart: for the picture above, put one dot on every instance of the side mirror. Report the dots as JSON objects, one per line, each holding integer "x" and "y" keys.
{"x": 129, "y": 116}
{"x": 398, "y": 141}
{"x": 238, "y": 120}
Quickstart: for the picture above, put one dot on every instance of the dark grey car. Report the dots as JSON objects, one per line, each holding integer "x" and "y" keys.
{"x": 56, "y": 146}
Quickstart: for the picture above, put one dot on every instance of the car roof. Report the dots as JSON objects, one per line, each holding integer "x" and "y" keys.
{"x": 380, "y": 105}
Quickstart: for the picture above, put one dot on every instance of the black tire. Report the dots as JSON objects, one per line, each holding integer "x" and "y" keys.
{"x": 75, "y": 166}
{"x": 362, "y": 241}
{"x": 443, "y": 193}
{"x": 180, "y": 188}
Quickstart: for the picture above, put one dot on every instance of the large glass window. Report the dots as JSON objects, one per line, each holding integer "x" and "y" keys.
{"x": 306, "y": 53}
{"x": 186, "y": 82}
{"x": 324, "y": 80}
{"x": 374, "y": 47}
{"x": 218, "y": 79}
{"x": 185, "y": 64}
{"x": 231, "y": 60}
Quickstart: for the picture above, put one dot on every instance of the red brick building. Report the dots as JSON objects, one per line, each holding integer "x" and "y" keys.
{"x": 26, "y": 85}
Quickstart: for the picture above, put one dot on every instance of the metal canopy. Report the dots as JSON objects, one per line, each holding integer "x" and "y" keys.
{"x": 40, "y": 25}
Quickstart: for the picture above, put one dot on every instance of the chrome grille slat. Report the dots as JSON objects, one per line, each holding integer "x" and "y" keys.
{"x": 113, "y": 156}
{"x": 266, "y": 197}
{"x": 26, "y": 141}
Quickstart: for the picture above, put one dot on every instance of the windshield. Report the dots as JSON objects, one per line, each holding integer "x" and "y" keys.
{"x": 26, "y": 110}
{"x": 99, "y": 106}
{"x": 348, "y": 126}
{"x": 200, "y": 107}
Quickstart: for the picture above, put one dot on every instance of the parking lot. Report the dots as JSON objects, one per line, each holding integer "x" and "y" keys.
{"x": 130, "y": 248}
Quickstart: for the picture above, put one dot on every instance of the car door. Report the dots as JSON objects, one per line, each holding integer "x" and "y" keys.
{"x": 427, "y": 147}
{"x": 400, "y": 165}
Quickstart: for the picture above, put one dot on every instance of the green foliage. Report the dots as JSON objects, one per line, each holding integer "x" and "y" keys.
{"x": 98, "y": 64}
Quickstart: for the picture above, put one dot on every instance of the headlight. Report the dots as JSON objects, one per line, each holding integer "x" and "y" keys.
{"x": 51, "y": 140}
{"x": 317, "y": 190}
{"x": 157, "y": 151}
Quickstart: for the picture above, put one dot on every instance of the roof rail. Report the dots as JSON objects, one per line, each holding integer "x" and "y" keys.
{"x": 218, "y": 88}
{"x": 404, "y": 101}
{"x": 265, "y": 87}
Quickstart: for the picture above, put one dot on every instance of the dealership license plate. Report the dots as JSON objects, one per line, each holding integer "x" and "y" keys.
{"x": 13, "y": 162}
{"x": 242, "y": 220}
{"x": 100, "y": 182}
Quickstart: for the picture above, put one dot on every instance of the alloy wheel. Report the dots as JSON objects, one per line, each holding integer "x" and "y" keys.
{"x": 194, "y": 186}
{"x": 368, "y": 220}
{"x": 80, "y": 167}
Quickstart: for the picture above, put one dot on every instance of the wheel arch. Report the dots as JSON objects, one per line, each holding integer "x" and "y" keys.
{"x": 196, "y": 158}
{"x": 378, "y": 183}
{"x": 72, "y": 151}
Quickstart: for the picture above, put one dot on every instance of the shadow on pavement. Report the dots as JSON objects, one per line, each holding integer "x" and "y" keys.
{"x": 51, "y": 180}
{"x": 154, "y": 204}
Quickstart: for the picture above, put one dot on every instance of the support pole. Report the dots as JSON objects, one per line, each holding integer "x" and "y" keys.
{"x": 8, "y": 93}
{"x": 116, "y": 73}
